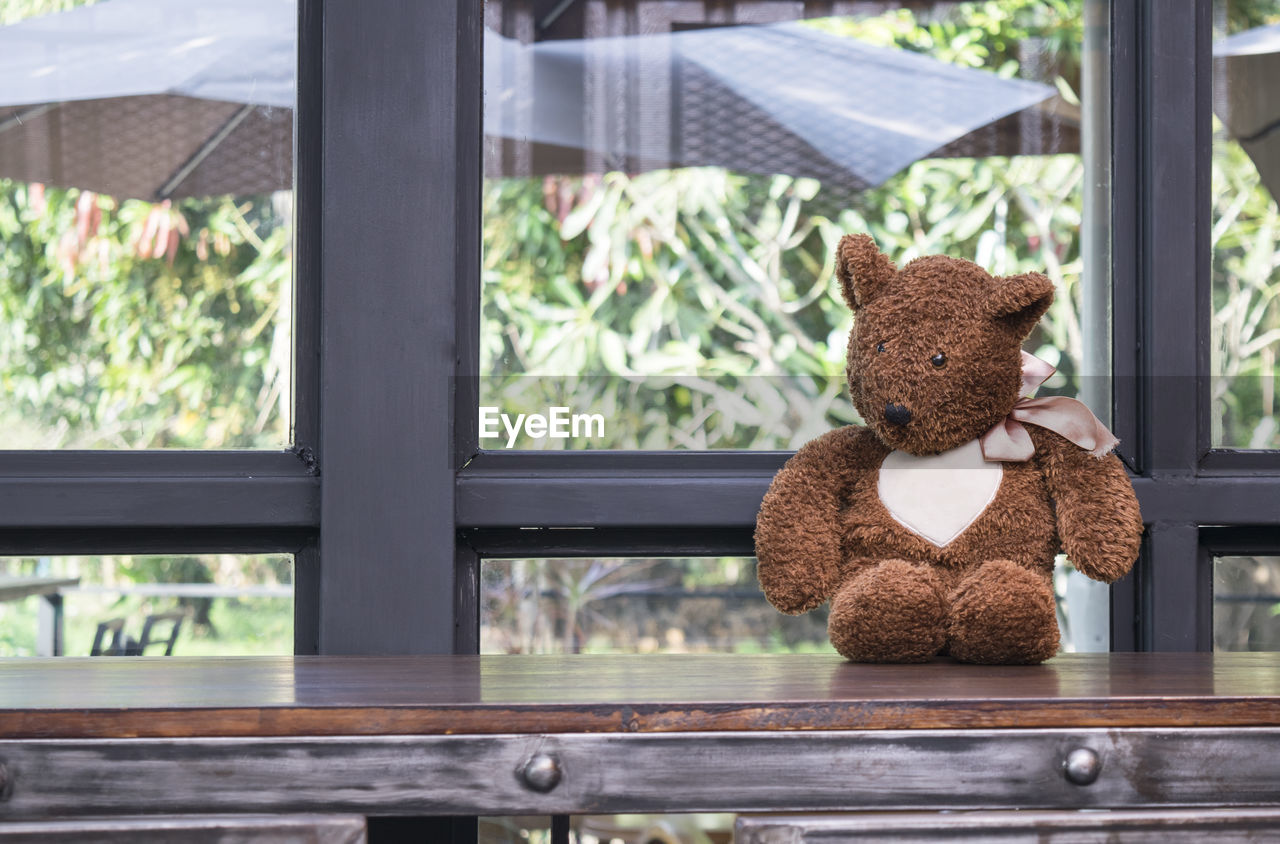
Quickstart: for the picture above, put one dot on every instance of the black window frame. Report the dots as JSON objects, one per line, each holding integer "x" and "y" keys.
{"x": 387, "y": 501}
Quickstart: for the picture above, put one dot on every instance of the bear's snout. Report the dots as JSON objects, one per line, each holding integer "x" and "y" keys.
{"x": 896, "y": 414}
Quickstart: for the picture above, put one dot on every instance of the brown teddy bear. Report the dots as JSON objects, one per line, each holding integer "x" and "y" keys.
{"x": 933, "y": 530}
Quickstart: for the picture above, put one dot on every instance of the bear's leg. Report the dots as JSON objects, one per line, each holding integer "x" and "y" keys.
{"x": 894, "y": 611}
{"x": 1003, "y": 613}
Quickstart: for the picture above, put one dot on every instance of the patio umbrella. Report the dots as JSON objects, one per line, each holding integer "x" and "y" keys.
{"x": 151, "y": 99}
{"x": 1247, "y": 96}
{"x": 156, "y": 99}
{"x": 778, "y": 98}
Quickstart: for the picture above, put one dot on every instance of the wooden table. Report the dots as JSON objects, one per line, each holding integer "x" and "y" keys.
{"x": 49, "y": 619}
{"x": 607, "y": 734}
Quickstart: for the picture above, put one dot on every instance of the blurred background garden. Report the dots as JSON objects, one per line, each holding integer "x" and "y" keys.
{"x": 692, "y": 306}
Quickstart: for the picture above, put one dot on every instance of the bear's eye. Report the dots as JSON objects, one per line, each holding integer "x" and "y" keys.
{"x": 939, "y": 360}
{"x": 880, "y": 346}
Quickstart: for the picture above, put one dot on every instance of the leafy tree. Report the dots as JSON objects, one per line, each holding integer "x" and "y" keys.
{"x": 133, "y": 325}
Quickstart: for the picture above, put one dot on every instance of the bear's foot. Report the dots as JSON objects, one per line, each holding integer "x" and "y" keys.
{"x": 894, "y": 611}
{"x": 1003, "y": 613}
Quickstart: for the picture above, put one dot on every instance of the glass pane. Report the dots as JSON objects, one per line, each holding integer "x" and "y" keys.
{"x": 664, "y": 190}
{"x": 1246, "y": 223}
{"x": 1246, "y": 604}
{"x": 692, "y": 605}
{"x": 146, "y": 223}
{"x": 222, "y": 604}
{"x": 689, "y": 605}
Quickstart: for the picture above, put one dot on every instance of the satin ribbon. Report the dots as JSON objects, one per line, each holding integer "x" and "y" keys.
{"x": 1008, "y": 440}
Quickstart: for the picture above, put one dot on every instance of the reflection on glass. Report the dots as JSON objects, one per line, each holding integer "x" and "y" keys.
{"x": 220, "y": 604}
{"x": 664, "y": 191}
{"x": 693, "y": 605}
{"x": 146, "y": 223}
{"x": 1246, "y": 604}
{"x": 1246, "y": 223}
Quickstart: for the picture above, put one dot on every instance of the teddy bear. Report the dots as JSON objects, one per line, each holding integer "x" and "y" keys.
{"x": 933, "y": 529}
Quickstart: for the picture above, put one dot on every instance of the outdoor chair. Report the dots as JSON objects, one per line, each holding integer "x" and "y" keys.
{"x": 116, "y": 646}
{"x": 146, "y": 641}
{"x": 122, "y": 644}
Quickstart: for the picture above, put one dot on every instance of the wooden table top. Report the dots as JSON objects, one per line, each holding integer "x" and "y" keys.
{"x": 312, "y": 696}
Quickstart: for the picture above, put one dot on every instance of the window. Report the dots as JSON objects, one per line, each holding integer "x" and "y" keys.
{"x": 386, "y": 477}
{"x": 158, "y": 409}
{"x": 667, "y": 498}
{"x": 1246, "y": 243}
{"x": 146, "y": 226}
{"x": 664, "y": 191}
{"x": 1246, "y": 603}
{"x": 385, "y": 497}
{"x": 659, "y": 215}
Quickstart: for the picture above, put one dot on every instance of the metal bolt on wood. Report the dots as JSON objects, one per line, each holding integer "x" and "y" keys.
{"x": 1082, "y": 766}
{"x": 541, "y": 773}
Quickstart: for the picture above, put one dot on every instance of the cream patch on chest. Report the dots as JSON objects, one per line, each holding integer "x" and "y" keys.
{"x": 939, "y": 496}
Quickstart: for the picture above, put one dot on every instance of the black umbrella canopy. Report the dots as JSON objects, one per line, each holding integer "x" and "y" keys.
{"x": 155, "y": 100}
{"x": 778, "y": 98}
{"x": 151, "y": 99}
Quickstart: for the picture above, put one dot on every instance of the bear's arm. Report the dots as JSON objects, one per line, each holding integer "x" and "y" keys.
{"x": 798, "y": 530}
{"x": 1098, "y": 517}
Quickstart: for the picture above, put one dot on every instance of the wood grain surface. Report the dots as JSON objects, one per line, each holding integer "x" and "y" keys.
{"x": 439, "y": 695}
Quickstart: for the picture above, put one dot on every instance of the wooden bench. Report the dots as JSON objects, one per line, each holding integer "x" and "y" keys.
{"x": 555, "y": 735}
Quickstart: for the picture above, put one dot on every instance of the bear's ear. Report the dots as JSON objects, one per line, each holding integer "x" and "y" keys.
{"x": 862, "y": 269}
{"x": 1018, "y": 302}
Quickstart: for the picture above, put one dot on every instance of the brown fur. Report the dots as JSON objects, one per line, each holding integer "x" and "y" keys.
{"x": 823, "y": 534}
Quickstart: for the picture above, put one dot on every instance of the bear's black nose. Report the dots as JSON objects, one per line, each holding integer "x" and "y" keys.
{"x": 896, "y": 414}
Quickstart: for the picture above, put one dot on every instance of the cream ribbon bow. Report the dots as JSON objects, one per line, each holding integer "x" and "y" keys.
{"x": 1008, "y": 440}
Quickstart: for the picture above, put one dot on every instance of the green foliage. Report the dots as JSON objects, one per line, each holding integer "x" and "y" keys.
{"x": 997, "y": 35}
{"x": 1246, "y": 302}
{"x": 1246, "y": 281}
{"x": 12, "y": 11}
{"x": 132, "y": 325}
{"x": 1247, "y": 14}
{"x": 693, "y": 308}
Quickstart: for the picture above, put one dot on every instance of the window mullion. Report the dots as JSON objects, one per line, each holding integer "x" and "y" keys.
{"x": 1176, "y": 102}
{"x": 388, "y": 277}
